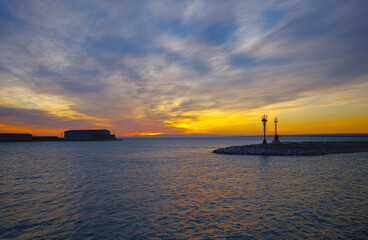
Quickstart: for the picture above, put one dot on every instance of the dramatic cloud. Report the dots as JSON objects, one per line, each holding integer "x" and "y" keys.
{"x": 181, "y": 66}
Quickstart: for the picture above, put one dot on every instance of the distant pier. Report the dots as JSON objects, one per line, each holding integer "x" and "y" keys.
{"x": 297, "y": 148}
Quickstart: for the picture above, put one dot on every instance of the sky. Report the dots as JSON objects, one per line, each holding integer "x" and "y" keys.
{"x": 184, "y": 67}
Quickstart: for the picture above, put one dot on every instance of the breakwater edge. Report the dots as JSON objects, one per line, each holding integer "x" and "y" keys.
{"x": 297, "y": 148}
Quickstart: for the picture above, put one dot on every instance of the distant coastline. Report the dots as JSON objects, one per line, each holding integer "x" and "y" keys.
{"x": 34, "y": 138}
{"x": 70, "y": 135}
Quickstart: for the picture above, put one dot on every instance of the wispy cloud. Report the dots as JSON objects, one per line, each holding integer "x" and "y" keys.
{"x": 171, "y": 66}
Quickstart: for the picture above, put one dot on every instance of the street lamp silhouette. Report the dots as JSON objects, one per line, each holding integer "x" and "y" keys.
{"x": 276, "y": 140}
{"x": 264, "y": 121}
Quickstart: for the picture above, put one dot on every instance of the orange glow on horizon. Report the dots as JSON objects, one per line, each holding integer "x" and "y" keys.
{"x": 307, "y": 119}
{"x": 180, "y": 83}
{"x": 29, "y": 129}
{"x": 145, "y": 133}
{"x": 283, "y": 128}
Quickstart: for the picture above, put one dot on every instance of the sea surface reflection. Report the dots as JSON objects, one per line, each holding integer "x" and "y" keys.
{"x": 175, "y": 188}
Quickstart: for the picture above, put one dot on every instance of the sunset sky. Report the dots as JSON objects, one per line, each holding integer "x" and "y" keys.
{"x": 183, "y": 67}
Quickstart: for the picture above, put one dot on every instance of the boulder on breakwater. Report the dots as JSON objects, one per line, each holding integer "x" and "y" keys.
{"x": 297, "y": 148}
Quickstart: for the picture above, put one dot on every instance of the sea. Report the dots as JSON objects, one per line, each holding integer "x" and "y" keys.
{"x": 176, "y": 188}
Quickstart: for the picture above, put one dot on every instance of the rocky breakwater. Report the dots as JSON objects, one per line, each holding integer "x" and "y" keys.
{"x": 297, "y": 148}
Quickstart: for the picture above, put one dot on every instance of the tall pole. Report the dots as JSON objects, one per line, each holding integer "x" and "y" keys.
{"x": 264, "y": 121}
{"x": 276, "y": 136}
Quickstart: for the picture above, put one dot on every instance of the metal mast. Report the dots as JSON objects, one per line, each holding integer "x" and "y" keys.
{"x": 264, "y": 121}
{"x": 276, "y": 136}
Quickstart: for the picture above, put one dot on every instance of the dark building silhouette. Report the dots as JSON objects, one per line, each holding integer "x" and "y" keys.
{"x": 45, "y": 138}
{"x": 89, "y": 135}
{"x": 15, "y": 137}
{"x": 264, "y": 121}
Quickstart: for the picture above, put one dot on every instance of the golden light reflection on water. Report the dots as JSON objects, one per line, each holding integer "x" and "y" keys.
{"x": 169, "y": 188}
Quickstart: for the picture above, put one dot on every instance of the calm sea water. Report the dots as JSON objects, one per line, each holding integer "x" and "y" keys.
{"x": 175, "y": 188}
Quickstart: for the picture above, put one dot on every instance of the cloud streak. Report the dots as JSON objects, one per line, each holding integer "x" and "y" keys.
{"x": 151, "y": 66}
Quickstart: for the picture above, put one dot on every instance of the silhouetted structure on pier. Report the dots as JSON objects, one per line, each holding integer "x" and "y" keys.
{"x": 264, "y": 121}
{"x": 276, "y": 139}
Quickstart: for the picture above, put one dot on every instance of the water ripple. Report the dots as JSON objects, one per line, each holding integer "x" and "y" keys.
{"x": 177, "y": 189}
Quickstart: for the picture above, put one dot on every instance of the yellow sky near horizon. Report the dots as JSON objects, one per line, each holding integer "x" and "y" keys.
{"x": 180, "y": 69}
{"x": 306, "y": 115}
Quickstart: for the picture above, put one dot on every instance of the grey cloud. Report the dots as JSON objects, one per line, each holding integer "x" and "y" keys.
{"x": 72, "y": 48}
{"x": 36, "y": 118}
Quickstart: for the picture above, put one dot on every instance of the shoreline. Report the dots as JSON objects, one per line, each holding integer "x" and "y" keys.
{"x": 296, "y": 148}
{"x": 62, "y": 140}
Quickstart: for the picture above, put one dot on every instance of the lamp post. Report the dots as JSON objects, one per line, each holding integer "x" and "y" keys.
{"x": 264, "y": 121}
{"x": 276, "y": 140}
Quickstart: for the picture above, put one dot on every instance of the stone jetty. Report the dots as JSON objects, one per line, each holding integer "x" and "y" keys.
{"x": 297, "y": 148}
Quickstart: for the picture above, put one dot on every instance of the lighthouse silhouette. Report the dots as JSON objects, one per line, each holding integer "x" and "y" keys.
{"x": 276, "y": 139}
{"x": 264, "y": 121}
